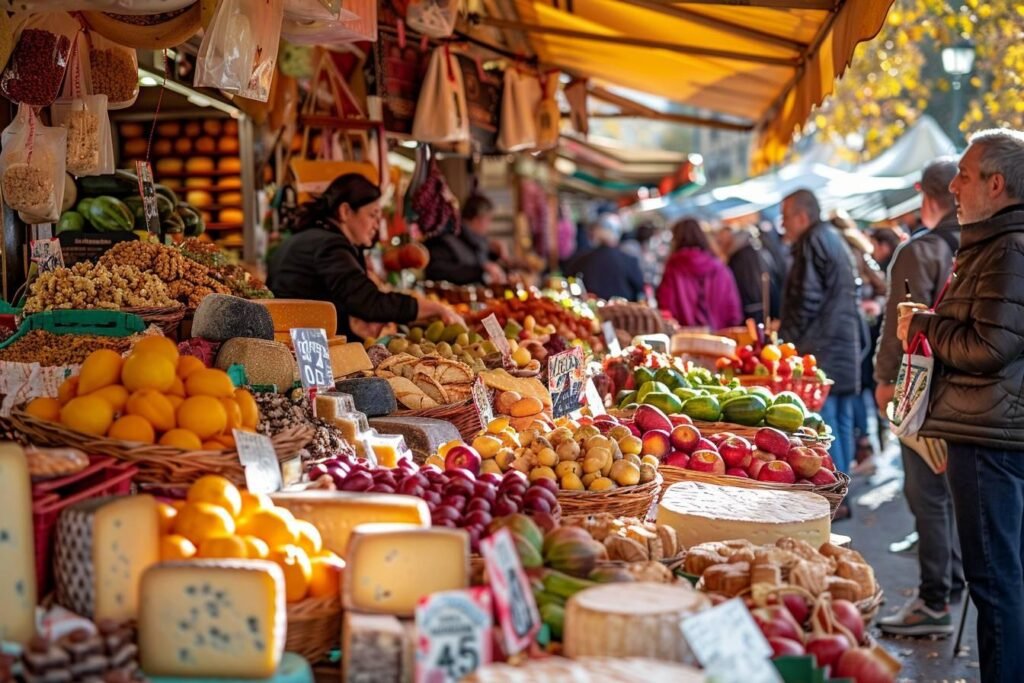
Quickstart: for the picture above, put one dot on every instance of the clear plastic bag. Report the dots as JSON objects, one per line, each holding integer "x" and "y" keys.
{"x": 32, "y": 166}
{"x": 115, "y": 6}
{"x": 90, "y": 148}
{"x": 239, "y": 52}
{"x": 40, "y": 59}
{"x": 434, "y": 18}
{"x": 113, "y": 70}
{"x": 316, "y": 10}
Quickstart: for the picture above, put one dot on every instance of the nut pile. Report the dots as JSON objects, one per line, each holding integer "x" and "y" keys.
{"x": 113, "y": 73}
{"x": 86, "y": 285}
{"x": 240, "y": 281}
{"x": 187, "y": 281}
{"x": 56, "y": 350}
{"x": 280, "y": 412}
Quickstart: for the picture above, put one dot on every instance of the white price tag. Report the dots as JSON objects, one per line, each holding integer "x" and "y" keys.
{"x": 497, "y": 336}
{"x": 513, "y": 598}
{"x": 47, "y": 254}
{"x": 594, "y": 399}
{"x": 728, "y": 643}
{"x": 657, "y": 342}
{"x": 453, "y": 634}
{"x": 482, "y": 401}
{"x": 258, "y": 457}
{"x": 147, "y": 190}
{"x": 611, "y": 339}
{"x": 313, "y": 356}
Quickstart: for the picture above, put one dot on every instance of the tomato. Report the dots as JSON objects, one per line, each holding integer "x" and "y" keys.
{"x": 788, "y": 349}
{"x": 810, "y": 362}
{"x": 771, "y": 352}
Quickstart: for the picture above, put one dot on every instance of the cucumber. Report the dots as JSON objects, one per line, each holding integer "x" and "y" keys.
{"x": 117, "y": 184}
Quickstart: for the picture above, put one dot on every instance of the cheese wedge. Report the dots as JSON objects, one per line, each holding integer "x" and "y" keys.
{"x": 17, "y": 548}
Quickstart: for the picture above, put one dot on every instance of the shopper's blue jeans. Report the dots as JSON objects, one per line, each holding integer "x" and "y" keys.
{"x": 988, "y": 496}
{"x": 838, "y": 414}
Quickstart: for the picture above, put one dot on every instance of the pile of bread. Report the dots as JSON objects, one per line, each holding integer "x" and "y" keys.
{"x": 629, "y": 539}
{"x": 731, "y": 567}
{"x": 426, "y": 382}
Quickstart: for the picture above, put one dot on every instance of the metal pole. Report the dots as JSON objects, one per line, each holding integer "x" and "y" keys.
{"x": 958, "y": 96}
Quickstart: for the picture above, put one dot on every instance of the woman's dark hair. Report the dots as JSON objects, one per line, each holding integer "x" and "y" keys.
{"x": 352, "y": 189}
{"x": 687, "y": 233}
{"x": 475, "y": 206}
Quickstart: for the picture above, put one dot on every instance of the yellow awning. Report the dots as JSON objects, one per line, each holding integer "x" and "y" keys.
{"x": 768, "y": 64}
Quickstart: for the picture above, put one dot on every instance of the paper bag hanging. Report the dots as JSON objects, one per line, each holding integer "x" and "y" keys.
{"x": 549, "y": 117}
{"x": 442, "y": 115}
{"x": 520, "y": 101}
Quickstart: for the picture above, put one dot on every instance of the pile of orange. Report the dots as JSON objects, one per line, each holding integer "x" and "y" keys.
{"x": 154, "y": 395}
{"x": 216, "y": 520}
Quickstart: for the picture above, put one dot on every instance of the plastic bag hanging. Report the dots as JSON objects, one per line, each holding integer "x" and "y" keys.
{"x": 37, "y": 65}
{"x": 32, "y": 166}
{"x": 434, "y": 18}
{"x": 113, "y": 70}
{"x": 239, "y": 52}
{"x": 549, "y": 117}
{"x": 90, "y": 149}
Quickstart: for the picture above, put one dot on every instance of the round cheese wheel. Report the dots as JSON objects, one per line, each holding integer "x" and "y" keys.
{"x": 132, "y": 130}
{"x": 182, "y": 145}
{"x": 168, "y": 129}
{"x": 231, "y": 199}
{"x": 136, "y": 147}
{"x": 199, "y": 165}
{"x": 211, "y": 127}
{"x": 230, "y": 182}
{"x": 199, "y": 199}
{"x": 228, "y": 145}
{"x": 170, "y": 166}
{"x": 206, "y": 145}
{"x": 197, "y": 182}
{"x": 162, "y": 147}
{"x": 230, "y": 164}
{"x": 233, "y": 216}
{"x": 171, "y": 183}
{"x": 231, "y": 127}
{"x": 206, "y": 216}
{"x": 193, "y": 129}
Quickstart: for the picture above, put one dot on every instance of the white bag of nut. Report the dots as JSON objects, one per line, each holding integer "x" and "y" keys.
{"x": 32, "y": 165}
{"x": 90, "y": 147}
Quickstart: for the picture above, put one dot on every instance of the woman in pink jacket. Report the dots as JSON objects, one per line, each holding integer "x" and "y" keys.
{"x": 697, "y": 288}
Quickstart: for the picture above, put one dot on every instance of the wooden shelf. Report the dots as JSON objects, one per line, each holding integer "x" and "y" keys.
{"x": 224, "y": 226}
{"x": 195, "y": 174}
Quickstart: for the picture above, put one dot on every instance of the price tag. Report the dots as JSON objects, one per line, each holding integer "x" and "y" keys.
{"x": 497, "y": 336}
{"x": 258, "y": 457}
{"x": 513, "y": 598}
{"x": 728, "y": 643}
{"x": 657, "y": 342}
{"x": 147, "y": 189}
{"x": 453, "y": 634}
{"x": 594, "y": 399}
{"x": 47, "y": 254}
{"x": 482, "y": 401}
{"x": 565, "y": 381}
{"x": 611, "y": 339}
{"x": 314, "y": 357}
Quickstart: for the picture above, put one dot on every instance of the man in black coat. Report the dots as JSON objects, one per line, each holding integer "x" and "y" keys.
{"x": 820, "y": 312}
{"x": 976, "y": 334}
{"x": 607, "y": 271}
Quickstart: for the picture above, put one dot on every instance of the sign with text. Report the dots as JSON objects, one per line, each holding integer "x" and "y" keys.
{"x": 453, "y": 634}
{"x": 658, "y": 342}
{"x": 482, "y": 401}
{"x": 314, "y": 357}
{"x": 47, "y": 254}
{"x": 497, "y": 336}
{"x": 611, "y": 338}
{"x": 258, "y": 457}
{"x": 147, "y": 190}
{"x": 594, "y": 399}
{"x": 729, "y": 645}
{"x": 566, "y": 375}
{"x": 88, "y": 246}
{"x": 513, "y": 598}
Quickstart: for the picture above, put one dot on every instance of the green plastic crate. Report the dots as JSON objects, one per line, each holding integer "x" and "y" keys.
{"x": 803, "y": 670}
{"x": 99, "y": 323}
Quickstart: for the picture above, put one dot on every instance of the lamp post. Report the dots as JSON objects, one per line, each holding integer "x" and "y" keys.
{"x": 958, "y": 61}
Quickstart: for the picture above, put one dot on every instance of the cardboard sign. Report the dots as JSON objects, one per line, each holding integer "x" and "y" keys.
{"x": 147, "y": 189}
{"x": 47, "y": 254}
{"x": 611, "y": 338}
{"x": 258, "y": 457}
{"x": 314, "y": 357}
{"x": 513, "y": 598}
{"x": 727, "y": 642}
{"x": 453, "y": 634}
{"x": 88, "y": 246}
{"x": 482, "y": 401}
{"x": 497, "y": 336}
{"x": 565, "y": 381}
{"x": 594, "y": 399}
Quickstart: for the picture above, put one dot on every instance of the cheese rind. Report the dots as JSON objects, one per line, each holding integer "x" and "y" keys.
{"x": 702, "y": 512}
{"x": 17, "y": 547}
{"x": 336, "y": 513}
{"x": 373, "y": 395}
{"x": 212, "y": 618}
{"x": 292, "y": 313}
{"x": 423, "y": 435}
{"x": 348, "y": 358}
{"x": 265, "y": 362}
{"x": 392, "y": 566}
{"x": 220, "y": 317}
{"x": 375, "y": 649}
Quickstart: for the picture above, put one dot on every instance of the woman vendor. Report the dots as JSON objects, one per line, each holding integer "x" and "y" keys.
{"x": 323, "y": 260}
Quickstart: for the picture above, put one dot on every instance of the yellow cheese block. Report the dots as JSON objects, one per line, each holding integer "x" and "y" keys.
{"x": 289, "y": 313}
{"x": 212, "y": 619}
{"x": 265, "y": 362}
{"x": 390, "y": 567}
{"x": 336, "y": 513}
{"x": 17, "y": 553}
{"x": 348, "y": 358}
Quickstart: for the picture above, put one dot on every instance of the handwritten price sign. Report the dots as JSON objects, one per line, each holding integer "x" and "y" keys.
{"x": 313, "y": 356}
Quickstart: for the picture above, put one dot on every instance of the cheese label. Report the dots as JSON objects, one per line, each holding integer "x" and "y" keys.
{"x": 313, "y": 356}
{"x": 513, "y": 598}
{"x": 726, "y": 641}
{"x": 482, "y": 401}
{"x": 453, "y": 635}
{"x": 566, "y": 375}
{"x": 497, "y": 336}
{"x": 258, "y": 457}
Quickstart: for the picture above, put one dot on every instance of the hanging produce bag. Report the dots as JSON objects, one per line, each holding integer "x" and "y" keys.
{"x": 441, "y": 112}
{"x": 37, "y": 65}
{"x": 913, "y": 388}
{"x": 549, "y": 116}
{"x": 315, "y": 10}
{"x": 519, "y": 103}
{"x": 90, "y": 148}
{"x": 32, "y": 166}
{"x": 434, "y": 18}
{"x": 483, "y": 97}
{"x": 435, "y": 205}
{"x": 113, "y": 70}
{"x": 239, "y": 52}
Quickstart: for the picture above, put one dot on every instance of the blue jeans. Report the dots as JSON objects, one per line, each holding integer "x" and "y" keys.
{"x": 838, "y": 414}
{"x": 988, "y": 496}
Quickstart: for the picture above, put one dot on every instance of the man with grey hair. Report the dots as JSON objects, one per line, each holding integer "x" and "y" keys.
{"x": 917, "y": 273}
{"x": 976, "y": 335}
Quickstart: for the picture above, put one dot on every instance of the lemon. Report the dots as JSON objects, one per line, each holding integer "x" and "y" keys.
{"x": 183, "y": 439}
{"x": 209, "y": 382}
{"x": 154, "y": 406}
{"x": 199, "y": 521}
{"x": 44, "y": 408}
{"x": 309, "y": 537}
{"x": 325, "y": 578}
{"x": 114, "y": 394}
{"x": 132, "y": 428}
{"x": 297, "y": 569}
{"x": 256, "y": 548}
{"x": 205, "y": 416}
{"x": 156, "y": 344}
{"x": 247, "y": 405}
{"x": 100, "y": 369}
{"x": 212, "y": 488}
{"x": 166, "y": 514}
{"x": 148, "y": 370}
{"x": 87, "y": 414}
{"x": 175, "y": 547}
{"x": 189, "y": 364}
{"x": 276, "y": 526}
{"x": 223, "y": 547}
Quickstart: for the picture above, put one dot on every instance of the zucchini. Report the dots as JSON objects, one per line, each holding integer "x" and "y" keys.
{"x": 117, "y": 184}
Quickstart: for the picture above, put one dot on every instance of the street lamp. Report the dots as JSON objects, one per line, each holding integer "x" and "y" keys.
{"x": 958, "y": 61}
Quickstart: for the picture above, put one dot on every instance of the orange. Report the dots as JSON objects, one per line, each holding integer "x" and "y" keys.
{"x": 309, "y": 537}
{"x": 147, "y": 370}
{"x": 189, "y": 364}
{"x": 154, "y": 406}
{"x": 132, "y": 428}
{"x": 256, "y": 548}
{"x": 67, "y": 390}
{"x": 247, "y": 405}
{"x": 183, "y": 439}
{"x": 157, "y": 344}
{"x": 115, "y": 394}
{"x": 100, "y": 369}
{"x": 177, "y": 388}
{"x": 234, "y": 412}
{"x": 166, "y": 513}
{"x": 222, "y": 547}
{"x": 213, "y": 445}
{"x": 203, "y": 415}
{"x": 276, "y": 526}
{"x": 297, "y": 570}
{"x": 199, "y": 521}
{"x": 251, "y": 502}
{"x": 226, "y": 440}
{"x": 87, "y": 414}
{"x": 325, "y": 579}
{"x": 212, "y": 488}
{"x": 175, "y": 547}
{"x": 44, "y": 408}
{"x": 175, "y": 401}
{"x": 209, "y": 382}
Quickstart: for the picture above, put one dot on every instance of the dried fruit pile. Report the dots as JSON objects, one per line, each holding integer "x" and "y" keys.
{"x": 85, "y": 286}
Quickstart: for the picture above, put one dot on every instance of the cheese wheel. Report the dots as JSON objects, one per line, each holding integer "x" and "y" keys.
{"x": 199, "y": 165}
{"x": 211, "y": 127}
{"x": 702, "y": 512}
{"x": 170, "y": 166}
{"x": 230, "y": 182}
{"x": 171, "y": 183}
{"x": 206, "y": 145}
{"x": 199, "y": 199}
{"x": 183, "y": 146}
{"x": 231, "y": 199}
{"x": 232, "y": 216}
{"x": 631, "y": 620}
{"x": 136, "y": 147}
{"x": 168, "y": 129}
{"x": 17, "y": 556}
{"x": 193, "y": 129}
{"x": 231, "y": 127}
{"x": 162, "y": 147}
{"x": 228, "y": 145}
{"x": 197, "y": 182}
{"x": 132, "y": 130}
{"x": 230, "y": 164}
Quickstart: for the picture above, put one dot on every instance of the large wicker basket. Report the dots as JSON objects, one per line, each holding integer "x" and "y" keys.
{"x": 625, "y": 501}
{"x": 314, "y": 627}
{"x": 157, "y": 464}
{"x": 708, "y": 428}
{"x": 167, "y": 318}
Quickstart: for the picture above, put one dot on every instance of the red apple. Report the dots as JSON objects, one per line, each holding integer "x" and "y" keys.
{"x": 737, "y": 472}
{"x": 772, "y": 440}
{"x": 736, "y": 451}
{"x": 782, "y": 647}
{"x": 847, "y": 614}
{"x": 826, "y": 459}
{"x": 823, "y": 477}
{"x": 707, "y": 461}
{"x": 685, "y": 438}
{"x": 463, "y": 457}
{"x": 648, "y": 418}
{"x": 763, "y": 455}
{"x": 755, "y": 468}
{"x": 656, "y": 442}
{"x": 804, "y": 461}
{"x": 719, "y": 437}
{"x": 706, "y": 445}
{"x": 606, "y": 418}
{"x": 827, "y": 649}
{"x": 777, "y": 471}
{"x": 795, "y": 441}
{"x": 864, "y": 666}
{"x": 680, "y": 419}
{"x": 677, "y": 459}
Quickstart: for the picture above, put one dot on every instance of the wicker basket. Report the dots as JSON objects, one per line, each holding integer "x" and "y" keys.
{"x": 869, "y": 607}
{"x": 812, "y": 392}
{"x": 157, "y": 464}
{"x": 314, "y": 627}
{"x": 625, "y": 501}
{"x": 167, "y": 318}
{"x": 833, "y": 493}
{"x": 463, "y": 415}
{"x": 746, "y": 432}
